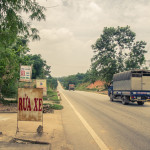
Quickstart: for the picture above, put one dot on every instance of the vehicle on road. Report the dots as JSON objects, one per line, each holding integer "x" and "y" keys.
{"x": 71, "y": 87}
{"x": 130, "y": 86}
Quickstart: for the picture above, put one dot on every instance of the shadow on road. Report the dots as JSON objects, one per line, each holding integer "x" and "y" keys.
{"x": 132, "y": 104}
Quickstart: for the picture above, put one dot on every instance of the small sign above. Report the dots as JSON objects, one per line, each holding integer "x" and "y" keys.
{"x": 25, "y": 73}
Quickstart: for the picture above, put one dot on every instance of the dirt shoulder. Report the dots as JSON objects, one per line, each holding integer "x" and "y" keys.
{"x": 8, "y": 108}
{"x": 52, "y": 126}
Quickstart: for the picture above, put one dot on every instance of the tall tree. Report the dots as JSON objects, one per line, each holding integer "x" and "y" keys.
{"x": 9, "y": 68}
{"x": 40, "y": 69}
{"x": 115, "y": 51}
{"x": 14, "y": 34}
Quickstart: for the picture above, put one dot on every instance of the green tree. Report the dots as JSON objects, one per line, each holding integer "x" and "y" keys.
{"x": 39, "y": 67}
{"x": 12, "y": 23}
{"x": 14, "y": 36}
{"x": 115, "y": 51}
{"x": 10, "y": 59}
{"x": 52, "y": 83}
{"x": 77, "y": 79}
{"x": 9, "y": 69}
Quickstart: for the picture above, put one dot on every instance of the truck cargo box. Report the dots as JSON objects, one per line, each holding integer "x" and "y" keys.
{"x": 130, "y": 86}
{"x": 132, "y": 80}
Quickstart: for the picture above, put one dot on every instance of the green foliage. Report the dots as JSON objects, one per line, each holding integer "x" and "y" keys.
{"x": 39, "y": 67}
{"x": 10, "y": 60}
{"x": 82, "y": 86}
{"x": 12, "y": 24}
{"x": 52, "y": 95}
{"x": 10, "y": 89}
{"x": 14, "y": 37}
{"x": 52, "y": 83}
{"x": 57, "y": 107}
{"x": 6, "y": 102}
{"x": 9, "y": 68}
{"x": 54, "y": 106}
{"x": 115, "y": 51}
{"x": 77, "y": 79}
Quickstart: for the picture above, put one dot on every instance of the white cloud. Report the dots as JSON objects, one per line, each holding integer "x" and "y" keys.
{"x": 56, "y": 35}
{"x": 74, "y": 25}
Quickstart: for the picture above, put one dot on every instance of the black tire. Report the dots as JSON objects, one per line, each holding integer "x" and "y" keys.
{"x": 140, "y": 103}
{"x": 125, "y": 100}
{"x": 111, "y": 97}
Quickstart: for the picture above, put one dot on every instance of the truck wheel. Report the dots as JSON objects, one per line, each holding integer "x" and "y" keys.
{"x": 140, "y": 103}
{"x": 111, "y": 97}
{"x": 125, "y": 100}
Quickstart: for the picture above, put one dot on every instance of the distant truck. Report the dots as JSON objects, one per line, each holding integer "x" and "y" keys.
{"x": 130, "y": 86}
{"x": 71, "y": 87}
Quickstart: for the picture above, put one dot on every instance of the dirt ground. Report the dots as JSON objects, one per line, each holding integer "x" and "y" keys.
{"x": 96, "y": 84}
{"x": 99, "y": 85}
{"x": 10, "y": 108}
{"x": 53, "y": 132}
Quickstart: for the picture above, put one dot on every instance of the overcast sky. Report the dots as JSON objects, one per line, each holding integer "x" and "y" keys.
{"x": 72, "y": 26}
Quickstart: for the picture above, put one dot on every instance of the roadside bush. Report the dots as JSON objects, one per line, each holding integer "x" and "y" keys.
{"x": 57, "y": 107}
{"x": 54, "y": 106}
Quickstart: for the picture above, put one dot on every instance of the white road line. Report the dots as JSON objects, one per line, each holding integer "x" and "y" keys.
{"x": 99, "y": 142}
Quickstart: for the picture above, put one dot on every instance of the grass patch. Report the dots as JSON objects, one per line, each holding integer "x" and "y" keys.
{"x": 51, "y": 93}
{"x": 45, "y": 98}
{"x": 82, "y": 87}
{"x": 57, "y": 107}
{"x": 54, "y": 106}
{"x": 94, "y": 89}
{"x": 53, "y": 97}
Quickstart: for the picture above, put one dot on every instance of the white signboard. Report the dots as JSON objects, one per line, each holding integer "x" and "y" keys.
{"x": 30, "y": 104}
{"x": 41, "y": 83}
{"x": 25, "y": 73}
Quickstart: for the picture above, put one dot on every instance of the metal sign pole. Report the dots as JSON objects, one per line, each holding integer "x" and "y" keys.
{"x": 42, "y": 115}
{"x": 17, "y": 130}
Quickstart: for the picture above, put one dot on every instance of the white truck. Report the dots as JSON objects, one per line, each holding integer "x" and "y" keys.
{"x": 130, "y": 86}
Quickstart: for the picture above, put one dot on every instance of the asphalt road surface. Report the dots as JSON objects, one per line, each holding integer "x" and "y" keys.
{"x": 92, "y": 122}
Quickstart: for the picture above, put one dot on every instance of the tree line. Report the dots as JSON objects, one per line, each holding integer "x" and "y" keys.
{"x": 15, "y": 35}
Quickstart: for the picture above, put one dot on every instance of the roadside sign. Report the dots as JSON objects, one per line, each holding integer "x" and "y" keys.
{"x": 25, "y": 73}
{"x": 41, "y": 83}
{"x": 30, "y": 104}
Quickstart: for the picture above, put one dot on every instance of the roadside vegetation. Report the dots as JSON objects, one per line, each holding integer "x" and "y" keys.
{"x": 82, "y": 82}
{"x": 52, "y": 100}
{"x": 116, "y": 50}
{"x": 15, "y": 35}
{"x": 77, "y": 79}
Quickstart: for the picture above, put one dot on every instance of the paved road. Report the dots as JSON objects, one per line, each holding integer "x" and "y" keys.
{"x": 120, "y": 127}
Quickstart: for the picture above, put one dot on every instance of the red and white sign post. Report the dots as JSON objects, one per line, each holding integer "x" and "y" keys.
{"x": 30, "y": 105}
{"x": 25, "y": 73}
